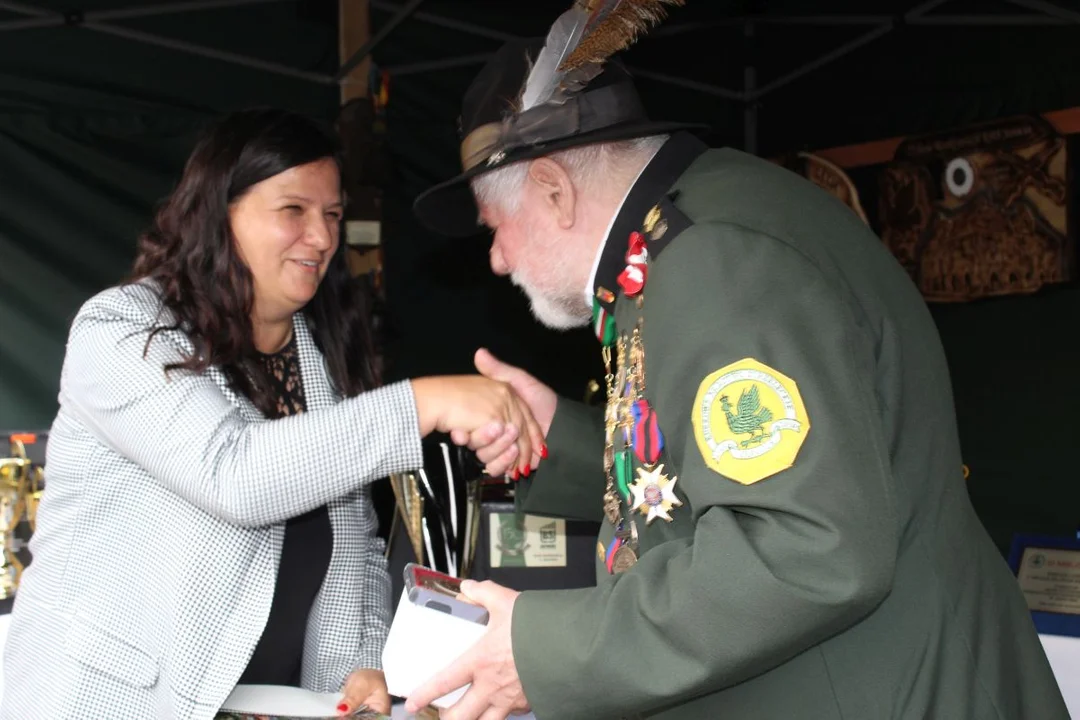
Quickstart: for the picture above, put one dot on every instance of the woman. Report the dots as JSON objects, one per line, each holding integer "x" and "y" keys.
{"x": 207, "y": 519}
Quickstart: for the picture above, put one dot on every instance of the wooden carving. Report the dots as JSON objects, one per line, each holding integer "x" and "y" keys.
{"x": 980, "y": 212}
{"x": 827, "y": 176}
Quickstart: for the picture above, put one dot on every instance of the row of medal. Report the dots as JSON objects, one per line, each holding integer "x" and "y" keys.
{"x": 631, "y": 431}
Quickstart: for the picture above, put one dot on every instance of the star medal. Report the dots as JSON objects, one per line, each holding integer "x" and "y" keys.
{"x": 654, "y": 494}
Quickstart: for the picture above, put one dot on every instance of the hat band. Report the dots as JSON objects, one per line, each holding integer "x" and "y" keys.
{"x": 591, "y": 110}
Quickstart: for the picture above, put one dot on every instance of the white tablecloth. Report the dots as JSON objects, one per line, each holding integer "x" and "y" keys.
{"x": 1063, "y": 652}
{"x": 1064, "y": 655}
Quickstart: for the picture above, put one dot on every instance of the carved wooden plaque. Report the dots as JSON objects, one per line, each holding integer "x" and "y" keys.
{"x": 980, "y": 212}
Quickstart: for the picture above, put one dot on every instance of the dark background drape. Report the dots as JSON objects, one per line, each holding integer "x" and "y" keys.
{"x": 94, "y": 130}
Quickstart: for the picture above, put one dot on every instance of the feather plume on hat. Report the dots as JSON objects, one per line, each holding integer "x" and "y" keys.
{"x": 581, "y": 40}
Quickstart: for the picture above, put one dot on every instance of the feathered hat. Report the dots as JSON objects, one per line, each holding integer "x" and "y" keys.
{"x": 537, "y": 96}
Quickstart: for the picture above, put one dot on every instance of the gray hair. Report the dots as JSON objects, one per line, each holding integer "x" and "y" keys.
{"x": 588, "y": 166}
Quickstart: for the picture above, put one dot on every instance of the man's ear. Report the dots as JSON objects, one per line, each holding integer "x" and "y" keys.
{"x": 555, "y": 189}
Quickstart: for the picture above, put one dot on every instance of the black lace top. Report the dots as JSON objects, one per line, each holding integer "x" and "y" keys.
{"x": 305, "y": 555}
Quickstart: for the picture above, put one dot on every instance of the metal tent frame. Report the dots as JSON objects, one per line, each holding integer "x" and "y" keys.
{"x": 1038, "y": 13}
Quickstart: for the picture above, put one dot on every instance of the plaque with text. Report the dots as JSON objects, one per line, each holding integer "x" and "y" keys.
{"x": 527, "y": 541}
{"x": 1048, "y": 571}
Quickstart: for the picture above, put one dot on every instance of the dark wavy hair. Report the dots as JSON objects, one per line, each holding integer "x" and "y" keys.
{"x": 190, "y": 252}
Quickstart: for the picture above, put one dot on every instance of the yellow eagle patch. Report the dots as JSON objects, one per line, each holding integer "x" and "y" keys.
{"x": 749, "y": 421}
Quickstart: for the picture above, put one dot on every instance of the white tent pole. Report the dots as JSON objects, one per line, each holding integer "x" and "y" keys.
{"x": 170, "y": 8}
{"x": 825, "y": 59}
{"x": 920, "y": 10}
{"x": 449, "y": 23}
{"x": 824, "y": 20}
{"x": 1049, "y": 8}
{"x": 91, "y": 21}
{"x": 989, "y": 20}
{"x": 686, "y": 83}
{"x": 452, "y": 62}
{"x": 362, "y": 52}
{"x": 25, "y": 9}
{"x": 31, "y": 23}
{"x": 193, "y": 49}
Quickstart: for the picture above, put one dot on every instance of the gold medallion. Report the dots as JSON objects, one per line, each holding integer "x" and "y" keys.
{"x": 654, "y": 226}
{"x": 651, "y": 218}
{"x": 625, "y": 558}
{"x": 658, "y": 230}
{"x": 612, "y": 506}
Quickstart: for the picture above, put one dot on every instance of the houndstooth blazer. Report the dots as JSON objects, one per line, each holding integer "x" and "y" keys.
{"x": 160, "y": 530}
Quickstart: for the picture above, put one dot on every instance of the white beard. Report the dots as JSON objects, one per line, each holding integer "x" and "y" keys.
{"x": 557, "y": 313}
{"x": 551, "y": 301}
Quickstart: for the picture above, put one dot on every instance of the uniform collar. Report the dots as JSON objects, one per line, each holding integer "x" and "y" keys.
{"x": 590, "y": 287}
{"x": 651, "y": 186}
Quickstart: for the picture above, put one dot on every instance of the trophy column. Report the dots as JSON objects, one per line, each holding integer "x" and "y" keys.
{"x": 20, "y": 490}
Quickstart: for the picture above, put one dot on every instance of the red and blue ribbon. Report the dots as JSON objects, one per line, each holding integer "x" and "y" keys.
{"x": 647, "y": 440}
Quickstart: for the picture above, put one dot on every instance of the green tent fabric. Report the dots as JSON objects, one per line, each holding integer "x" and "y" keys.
{"x": 94, "y": 131}
{"x": 74, "y": 193}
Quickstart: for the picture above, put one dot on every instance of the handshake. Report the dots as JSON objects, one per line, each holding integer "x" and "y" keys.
{"x": 503, "y": 414}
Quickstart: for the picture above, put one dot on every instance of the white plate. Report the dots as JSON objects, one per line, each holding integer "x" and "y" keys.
{"x": 280, "y": 701}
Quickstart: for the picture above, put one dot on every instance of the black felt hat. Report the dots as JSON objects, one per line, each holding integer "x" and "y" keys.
{"x": 494, "y": 135}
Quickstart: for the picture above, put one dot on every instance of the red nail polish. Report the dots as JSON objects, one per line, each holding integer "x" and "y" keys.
{"x": 514, "y": 477}
{"x": 342, "y": 708}
{"x": 543, "y": 452}
{"x": 527, "y": 471}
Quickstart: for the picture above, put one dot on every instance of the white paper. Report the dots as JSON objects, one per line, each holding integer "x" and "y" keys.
{"x": 281, "y": 701}
{"x": 423, "y": 642}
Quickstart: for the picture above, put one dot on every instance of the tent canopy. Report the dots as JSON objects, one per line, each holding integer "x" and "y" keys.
{"x": 99, "y": 107}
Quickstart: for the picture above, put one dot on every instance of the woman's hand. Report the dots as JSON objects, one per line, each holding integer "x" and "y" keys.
{"x": 483, "y": 408}
{"x": 541, "y": 399}
{"x": 365, "y": 687}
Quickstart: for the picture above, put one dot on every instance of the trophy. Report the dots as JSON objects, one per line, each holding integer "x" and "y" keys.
{"x": 20, "y": 491}
{"x": 439, "y": 506}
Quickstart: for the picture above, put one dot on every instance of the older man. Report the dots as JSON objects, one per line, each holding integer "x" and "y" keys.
{"x": 785, "y": 527}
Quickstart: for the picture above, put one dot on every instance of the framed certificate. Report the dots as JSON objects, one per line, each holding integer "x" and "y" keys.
{"x": 1048, "y": 570}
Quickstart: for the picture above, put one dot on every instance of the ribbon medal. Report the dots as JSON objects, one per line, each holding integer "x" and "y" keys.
{"x": 647, "y": 440}
{"x": 623, "y": 472}
{"x": 603, "y": 324}
{"x": 654, "y": 494}
{"x": 612, "y": 549}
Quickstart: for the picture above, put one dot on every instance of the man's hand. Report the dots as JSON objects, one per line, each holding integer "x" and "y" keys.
{"x": 541, "y": 400}
{"x": 496, "y": 691}
{"x": 365, "y": 687}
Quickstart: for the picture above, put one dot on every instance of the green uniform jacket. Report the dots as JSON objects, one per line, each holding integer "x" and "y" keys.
{"x": 853, "y": 582}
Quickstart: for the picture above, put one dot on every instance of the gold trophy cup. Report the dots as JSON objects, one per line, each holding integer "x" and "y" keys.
{"x": 17, "y": 500}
